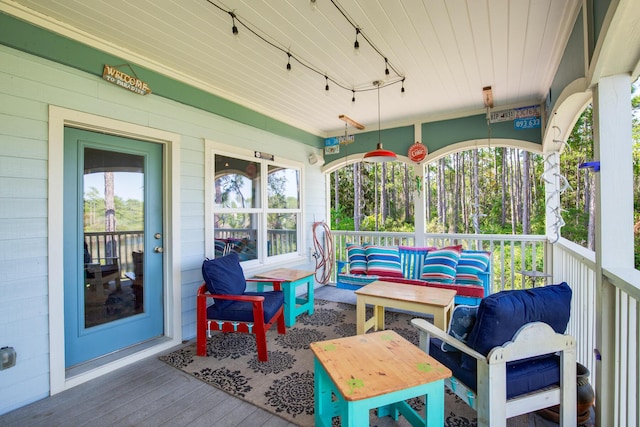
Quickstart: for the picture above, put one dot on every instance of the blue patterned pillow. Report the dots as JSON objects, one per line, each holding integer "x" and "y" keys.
{"x": 470, "y": 265}
{"x": 383, "y": 261}
{"x": 440, "y": 265}
{"x": 463, "y": 318}
{"x": 357, "y": 259}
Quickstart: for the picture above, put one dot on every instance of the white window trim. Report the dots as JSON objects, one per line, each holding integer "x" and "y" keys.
{"x": 211, "y": 149}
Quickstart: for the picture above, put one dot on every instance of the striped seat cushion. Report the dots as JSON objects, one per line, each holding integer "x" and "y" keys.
{"x": 383, "y": 261}
{"x": 355, "y": 279}
{"x": 440, "y": 265}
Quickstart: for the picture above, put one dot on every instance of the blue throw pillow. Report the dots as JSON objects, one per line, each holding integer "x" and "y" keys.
{"x": 470, "y": 266}
{"x": 440, "y": 265}
{"x": 500, "y": 315}
{"x": 357, "y": 259}
{"x": 462, "y": 321}
{"x": 383, "y": 261}
{"x": 224, "y": 276}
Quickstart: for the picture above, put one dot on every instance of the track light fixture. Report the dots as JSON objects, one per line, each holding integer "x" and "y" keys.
{"x": 397, "y": 78}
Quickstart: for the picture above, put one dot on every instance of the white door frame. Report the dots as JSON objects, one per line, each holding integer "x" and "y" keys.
{"x": 59, "y": 118}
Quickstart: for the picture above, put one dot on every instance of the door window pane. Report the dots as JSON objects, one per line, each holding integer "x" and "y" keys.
{"x": 113, "y": 188}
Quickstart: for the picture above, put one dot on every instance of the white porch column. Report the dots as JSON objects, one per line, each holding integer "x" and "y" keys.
{"x": 420, "y": 221}
{"x": 614, "y": 224}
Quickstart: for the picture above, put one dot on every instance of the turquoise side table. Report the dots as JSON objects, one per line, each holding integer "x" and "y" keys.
{"x": 291, "y": 279}
{"x": 377, "y": 370}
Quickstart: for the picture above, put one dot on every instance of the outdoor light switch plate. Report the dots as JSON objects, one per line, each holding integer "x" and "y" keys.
{"x": 7, "y": 357}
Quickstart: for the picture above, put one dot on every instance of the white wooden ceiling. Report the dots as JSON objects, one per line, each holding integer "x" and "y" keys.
{"x": 448, "y": 50}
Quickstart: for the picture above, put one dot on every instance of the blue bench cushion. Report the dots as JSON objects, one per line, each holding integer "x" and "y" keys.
{"x": 357, "y": 259}
{"x": 522, "y": 376}
{"x": 500, "y": 315}
{"x": 224, "y": 276}
{"x": 242, "y": 311}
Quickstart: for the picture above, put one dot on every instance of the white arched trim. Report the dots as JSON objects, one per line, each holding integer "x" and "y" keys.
{"x": 570, "y": 104}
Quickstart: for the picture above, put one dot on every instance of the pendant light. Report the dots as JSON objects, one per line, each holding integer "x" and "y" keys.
{"x": 379, "y": 154}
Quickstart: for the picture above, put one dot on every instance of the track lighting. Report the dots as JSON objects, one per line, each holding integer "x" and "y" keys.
{"x": 389, "y": 80}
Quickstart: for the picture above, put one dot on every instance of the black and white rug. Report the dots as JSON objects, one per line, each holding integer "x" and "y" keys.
{"x": 284, "y": 384}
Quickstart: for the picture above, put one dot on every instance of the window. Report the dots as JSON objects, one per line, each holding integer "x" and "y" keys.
{"x": 256, "y": 217}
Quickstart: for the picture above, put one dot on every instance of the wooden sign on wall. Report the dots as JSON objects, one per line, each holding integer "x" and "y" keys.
{"x": 124, "y": 80}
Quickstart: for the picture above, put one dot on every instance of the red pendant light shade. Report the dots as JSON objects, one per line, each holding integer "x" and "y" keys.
{"x": 379, "y": 154}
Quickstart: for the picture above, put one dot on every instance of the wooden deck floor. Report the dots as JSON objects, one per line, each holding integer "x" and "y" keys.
{"x": 152, "y": 393}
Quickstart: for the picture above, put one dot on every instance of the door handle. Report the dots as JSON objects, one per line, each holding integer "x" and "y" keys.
{"x": 158, "y": 249}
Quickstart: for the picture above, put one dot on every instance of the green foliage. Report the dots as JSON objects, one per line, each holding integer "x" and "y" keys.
{"x": 129, "y": 213}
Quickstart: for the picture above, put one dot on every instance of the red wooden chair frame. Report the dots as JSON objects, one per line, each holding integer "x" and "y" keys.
{"x": 259, "y": 328}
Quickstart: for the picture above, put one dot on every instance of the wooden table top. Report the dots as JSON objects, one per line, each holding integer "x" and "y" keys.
{"x": 370, "y": 365}
{"x": 286, "y": 274}
{"x": 404, "y": 292}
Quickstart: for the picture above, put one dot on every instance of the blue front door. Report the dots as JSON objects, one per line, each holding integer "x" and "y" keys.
{"x": 113, "y": 236}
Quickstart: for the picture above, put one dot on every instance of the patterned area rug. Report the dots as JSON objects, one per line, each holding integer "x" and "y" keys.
{"x": 284, "y": 384}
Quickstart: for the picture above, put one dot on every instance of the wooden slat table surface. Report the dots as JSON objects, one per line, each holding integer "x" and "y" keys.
{"x": 374, "y": 364}
{"x": 286, "y": 274}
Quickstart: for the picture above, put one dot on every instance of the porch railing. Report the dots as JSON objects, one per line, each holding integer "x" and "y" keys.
{"x": 512, "y": 254}
{"x": 120, "y": 244}
{"x": 279, "y": 242}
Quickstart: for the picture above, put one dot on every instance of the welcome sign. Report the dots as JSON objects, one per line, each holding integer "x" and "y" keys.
{"x": 117, "y": 77}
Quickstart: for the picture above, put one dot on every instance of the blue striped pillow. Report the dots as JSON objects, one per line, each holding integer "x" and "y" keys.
{"x": 383, "y": 261}
{"x": 440, "y": 265}
{"x": 470, "y": 265}
{"x": 357, "y": 259}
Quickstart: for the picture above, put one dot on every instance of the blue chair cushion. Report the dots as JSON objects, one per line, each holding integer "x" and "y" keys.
{"x": 224, "y": 276}
{"x": 500, "y": 315}
{"x": 242, "y": 311}
{"x": 522, "y": 376}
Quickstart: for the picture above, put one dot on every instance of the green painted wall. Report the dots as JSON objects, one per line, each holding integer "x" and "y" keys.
{"x": 572, "y": 64}
{"x": 397, "y": 139}
{"x": 437, "y": 135}
{"x": 37, "y": 41}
